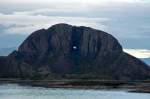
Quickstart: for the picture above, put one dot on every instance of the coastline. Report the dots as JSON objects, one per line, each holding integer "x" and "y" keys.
{"x": 130, "y": 86}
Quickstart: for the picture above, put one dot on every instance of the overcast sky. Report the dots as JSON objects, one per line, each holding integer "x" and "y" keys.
{"x": 127, "y": 20}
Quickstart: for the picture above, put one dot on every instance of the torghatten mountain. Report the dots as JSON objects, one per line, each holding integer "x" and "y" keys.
{"x": 70, "y": 52}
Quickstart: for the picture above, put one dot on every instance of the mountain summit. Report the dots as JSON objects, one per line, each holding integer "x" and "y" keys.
{"x": 70, "y": 52}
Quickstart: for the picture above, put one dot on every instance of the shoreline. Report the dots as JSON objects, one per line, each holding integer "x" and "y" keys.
{"x": 131, "y": 86}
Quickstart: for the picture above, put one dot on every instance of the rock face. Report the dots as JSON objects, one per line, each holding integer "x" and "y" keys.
{"x": 65, "y": 51}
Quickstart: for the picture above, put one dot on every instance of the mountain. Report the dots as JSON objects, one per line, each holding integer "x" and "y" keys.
{"x": 6, "y": 51}
{"x": 69, "y": 52}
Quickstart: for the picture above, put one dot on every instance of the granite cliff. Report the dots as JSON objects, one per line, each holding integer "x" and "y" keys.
{"x": 70, "y": 52}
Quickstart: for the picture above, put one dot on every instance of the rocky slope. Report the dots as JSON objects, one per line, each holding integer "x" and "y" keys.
{"x": 70, "y": 52}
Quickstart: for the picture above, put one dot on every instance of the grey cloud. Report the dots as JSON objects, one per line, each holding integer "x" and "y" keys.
{"x": 129, "y": 22}
{"x": 23, "y": 23}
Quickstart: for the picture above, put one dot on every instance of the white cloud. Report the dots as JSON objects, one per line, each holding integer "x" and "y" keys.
{"x": 84, "y": 1}
{"x": 73, "y": 5}
{"x": 27, "y": 22}
{"x": 139, "y": 53}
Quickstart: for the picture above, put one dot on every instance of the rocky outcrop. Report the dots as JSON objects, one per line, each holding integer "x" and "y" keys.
{"x": 65, "y": 51}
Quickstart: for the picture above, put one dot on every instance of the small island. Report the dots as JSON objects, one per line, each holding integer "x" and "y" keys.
{"x": 67, "y": 56}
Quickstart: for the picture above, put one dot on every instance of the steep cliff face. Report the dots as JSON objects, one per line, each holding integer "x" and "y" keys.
{"x": 65, "y": 51}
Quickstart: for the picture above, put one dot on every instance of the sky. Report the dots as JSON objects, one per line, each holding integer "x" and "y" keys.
{"x": 127, "y": 20}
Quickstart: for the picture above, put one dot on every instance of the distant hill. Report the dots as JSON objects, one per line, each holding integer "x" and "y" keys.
{"x": 69, "y": 52}
{"x": 6, "y": 51}
{"x": 146, "y": 60}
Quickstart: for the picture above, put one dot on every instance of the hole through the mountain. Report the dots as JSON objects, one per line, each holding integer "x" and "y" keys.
{"x": 74, "y": 47}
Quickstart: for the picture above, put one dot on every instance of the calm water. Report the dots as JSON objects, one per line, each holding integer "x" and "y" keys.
{"x": 14, "y": 91}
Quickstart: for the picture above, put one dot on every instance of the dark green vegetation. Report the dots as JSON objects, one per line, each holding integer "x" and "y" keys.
{"x": 69, "y": 52}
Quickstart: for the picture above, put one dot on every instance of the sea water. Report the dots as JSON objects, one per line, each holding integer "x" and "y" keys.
{"x": 15, "y": 91}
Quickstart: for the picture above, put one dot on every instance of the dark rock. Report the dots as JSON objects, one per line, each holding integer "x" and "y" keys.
{"x": 65, "y": 51}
